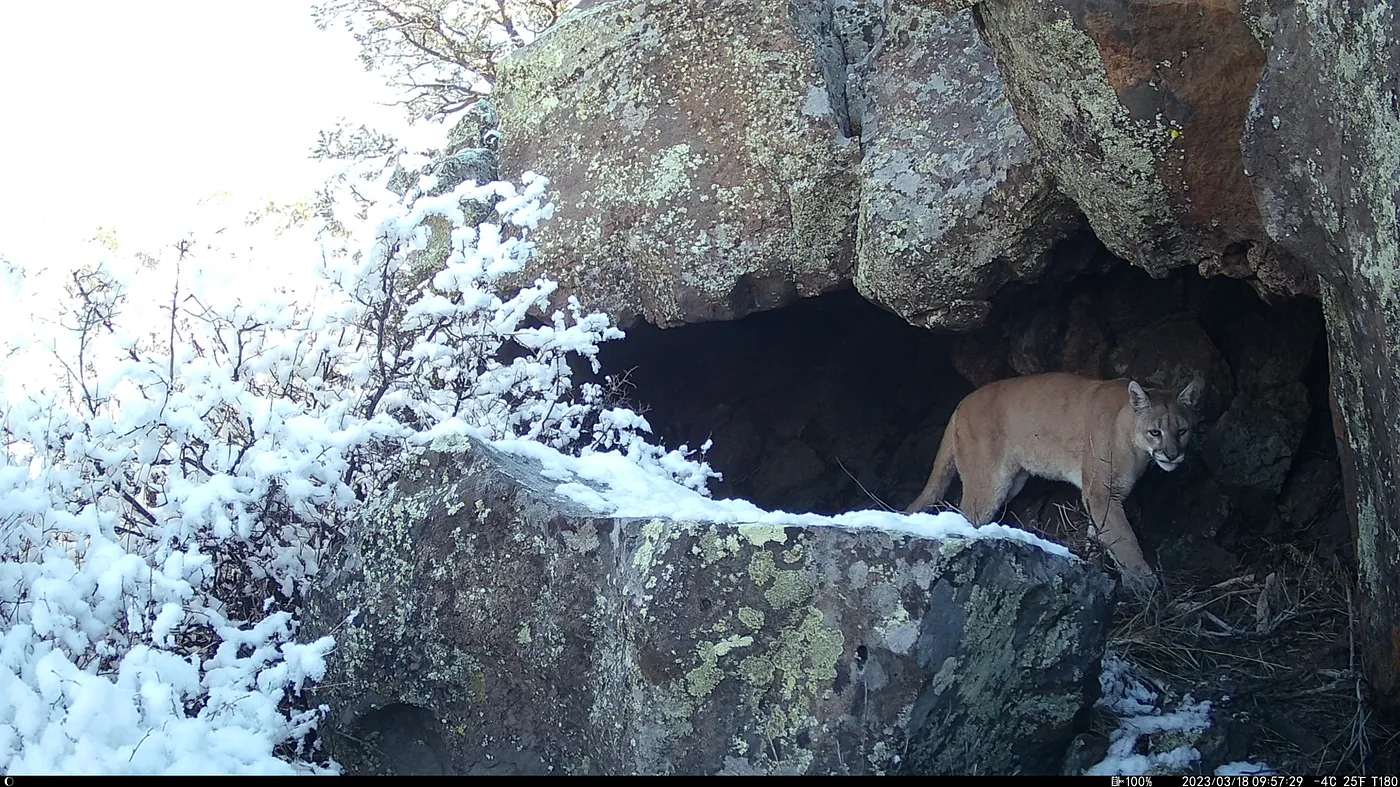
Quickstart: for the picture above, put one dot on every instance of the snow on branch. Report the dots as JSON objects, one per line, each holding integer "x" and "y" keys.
{"x": 169, "y": 499}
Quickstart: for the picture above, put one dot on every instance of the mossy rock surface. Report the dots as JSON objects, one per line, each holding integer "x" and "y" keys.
{"x": 519, "y": 632}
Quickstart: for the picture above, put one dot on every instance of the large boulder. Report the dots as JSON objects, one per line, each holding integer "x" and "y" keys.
{"x": 699, "y": 168}
{"x": 485, "y": 623}
{"x": 1322, "y": 149}
{"x": 1138, "y": 108}
{"x": 712, "y": 159}
{"x": 954, "y": 201}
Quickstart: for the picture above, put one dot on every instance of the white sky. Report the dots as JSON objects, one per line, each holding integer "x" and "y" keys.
{"x": 124, "y": 114}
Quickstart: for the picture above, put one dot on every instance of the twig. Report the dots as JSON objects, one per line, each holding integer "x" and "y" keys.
{"x": 138, "y": 745}
{"x": 867, "y": 492}
{"x": 1329, "y": 686}
{"x": 1359, "y": 737}
{"x": 1226, "y": 630}
{"x": 366, "y": 744}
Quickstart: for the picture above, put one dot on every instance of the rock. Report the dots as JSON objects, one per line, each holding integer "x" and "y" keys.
{"x": 497, "y": 619}
{"x": 1130, "y": 300}
{"x": 1138, "y": 110}
{"x": 469, "y": 164}
{"x": 474, "y": 164}
{"x": 1180, "y": 516}
{"x": 1087, "y": 749}
{"x": 914, "y": 451}
{"x": 983, "y": 357}
{"x": 1084, "y": 350}
{"x": 402, "y": 180}
{"x": 1223, "y": 741}
{"x": 1309, "y": 489}
{"x": 1036, "y": 340}
{"x": 408, "y": 740}
{"x": 852, "y": 142}
{"x": 789, "y": 465}
{"x": 1256, "y": 439}
{"x": 716, "y": 159}
{"x": 1322, "y": 151}
{"x": 1267, "y": 352}
{"x": 699, "y": 167}
{"x": 1066, "y": 335}
{"x": 953, "y": 201}
{"x": 1169, "y": 353}
{"x": 477, "y": 128}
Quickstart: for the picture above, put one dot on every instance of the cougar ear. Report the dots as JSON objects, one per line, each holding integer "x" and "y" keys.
{"x": 1191, "y": 394}
{"x": 1139, "y": 397}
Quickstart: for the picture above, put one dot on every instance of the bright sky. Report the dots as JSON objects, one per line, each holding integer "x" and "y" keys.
{"x": 124, "y": 114}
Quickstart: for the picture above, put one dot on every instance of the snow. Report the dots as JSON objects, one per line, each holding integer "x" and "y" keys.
{"x": 613, "y": 485}
{"x": 1244, "y": 768}
{"x": 178, "y": 455}
{"x": 1136, "y": 705}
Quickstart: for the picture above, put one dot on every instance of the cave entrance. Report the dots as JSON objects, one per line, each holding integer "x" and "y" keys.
{"x": 832, "y": 404}
{"x": 822, "y": 406}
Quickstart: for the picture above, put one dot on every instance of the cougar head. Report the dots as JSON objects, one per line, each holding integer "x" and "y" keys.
{"x": 1163, "y": 422}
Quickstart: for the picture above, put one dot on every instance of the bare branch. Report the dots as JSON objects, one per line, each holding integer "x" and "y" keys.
{"x": 444, "y": 52}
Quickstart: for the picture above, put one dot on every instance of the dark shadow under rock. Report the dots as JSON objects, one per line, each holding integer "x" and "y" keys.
{"x": 396, "y": 740}
{"x": 822, "y": 406}
{"x": 832, "y": 405}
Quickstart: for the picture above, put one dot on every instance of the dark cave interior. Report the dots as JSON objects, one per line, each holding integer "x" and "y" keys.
{"x": 833, "y": 404}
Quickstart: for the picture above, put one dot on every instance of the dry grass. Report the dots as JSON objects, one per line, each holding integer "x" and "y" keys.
{"x": 1278, "y": 640}
{"x": 1280, "y": 644}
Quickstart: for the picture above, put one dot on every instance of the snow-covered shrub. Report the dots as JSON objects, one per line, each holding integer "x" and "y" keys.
{"x": 149, "y": 523}
{"x": 166, "y": 506}
{"x": 451, "y": 349}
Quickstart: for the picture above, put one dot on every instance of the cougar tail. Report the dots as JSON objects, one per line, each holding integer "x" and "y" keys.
{"x": 942, "y": 475}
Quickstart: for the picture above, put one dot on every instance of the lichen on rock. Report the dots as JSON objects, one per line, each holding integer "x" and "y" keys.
{"x": 699, "y": 172}
{"x": 1322, "y": 148}
{"x": 546, "y": 636}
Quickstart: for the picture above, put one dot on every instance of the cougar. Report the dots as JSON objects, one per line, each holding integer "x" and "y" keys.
{"x": 1100, "y": 435}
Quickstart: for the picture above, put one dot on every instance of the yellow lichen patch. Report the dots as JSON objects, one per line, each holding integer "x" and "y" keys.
{"x": 806, "y": 655}
{"x": 789, "y": 589}
{"x": 761, "y": 568}
{"x": 704, "y": 678}
{"x": 758, "y": 535}
{"x": 751, "y": 617}
{"x": 757, "y": 669}
{"x": 775, "y": 725}
{"x": 670, "y": 173}
{"x": 711, "y": 547}
{"x": 584, "y": 540}
{"x": 651, "y": 535}
{"x": 731, "y": 643}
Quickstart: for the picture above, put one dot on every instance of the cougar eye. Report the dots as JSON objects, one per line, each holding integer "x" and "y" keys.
{"x": 1155, "y": 432}
{"x": 1182, "y": 432}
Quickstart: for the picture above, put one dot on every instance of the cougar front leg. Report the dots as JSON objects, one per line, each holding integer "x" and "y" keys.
{"x": 1106, "y": 509}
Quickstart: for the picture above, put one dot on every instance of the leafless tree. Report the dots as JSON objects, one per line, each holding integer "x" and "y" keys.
{"x": 442, "y": 53}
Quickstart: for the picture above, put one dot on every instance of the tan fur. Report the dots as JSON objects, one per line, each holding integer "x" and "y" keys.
{"x": 1095, "y": 434}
